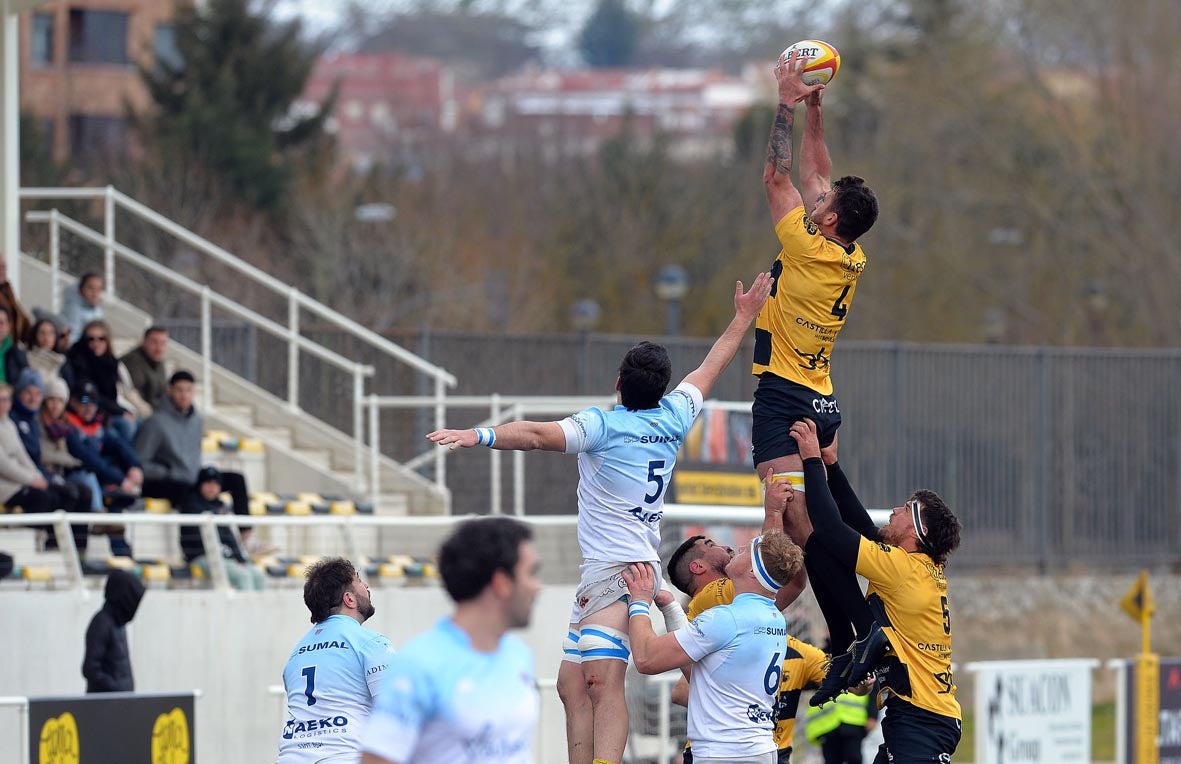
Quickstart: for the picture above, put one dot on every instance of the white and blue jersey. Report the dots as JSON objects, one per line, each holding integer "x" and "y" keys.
{"x": 332, "y": 679}
{"x": 445, "y": 702}
{"x": 737, "y": 653}
{"x": 625, "y": 463}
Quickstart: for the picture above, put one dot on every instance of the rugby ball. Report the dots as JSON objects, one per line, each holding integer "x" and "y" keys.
{"x": 823, "y": 61}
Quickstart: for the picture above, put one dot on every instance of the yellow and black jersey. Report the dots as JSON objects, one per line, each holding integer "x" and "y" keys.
{"x": 908, "y": 595}
{"x": 804, "y": 666}
{"x": 803, "y": 669}
{"x": 720, "y": 591}
{"x": 815, "y": 279}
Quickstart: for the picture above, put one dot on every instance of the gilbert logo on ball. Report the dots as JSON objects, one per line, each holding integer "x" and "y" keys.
{"x": 823, "y": 61}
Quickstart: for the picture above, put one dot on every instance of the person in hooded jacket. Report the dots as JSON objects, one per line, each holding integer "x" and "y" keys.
{"x": 107, "y": 665}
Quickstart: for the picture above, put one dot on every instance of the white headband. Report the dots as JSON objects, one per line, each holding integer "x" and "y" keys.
{"x": 760, "y": 570}
{"x": 917, "y": 518}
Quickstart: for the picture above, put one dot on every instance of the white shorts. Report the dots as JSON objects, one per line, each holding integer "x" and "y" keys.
{"x": 602, "y": 585}
{"x": 762, "y": 758}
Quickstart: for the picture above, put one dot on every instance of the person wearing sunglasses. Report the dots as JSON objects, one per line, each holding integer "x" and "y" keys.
{"x": 92, "y": 359}
{"x": 907, "y": 598}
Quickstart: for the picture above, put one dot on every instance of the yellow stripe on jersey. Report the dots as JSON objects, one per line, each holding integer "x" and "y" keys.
{"x": 913, "y": 591}
{"x": 803, "y": 666}
{"x": 815, "y": 279}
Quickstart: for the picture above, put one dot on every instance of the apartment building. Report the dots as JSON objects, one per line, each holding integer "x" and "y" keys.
{"x": 78, "y": 69}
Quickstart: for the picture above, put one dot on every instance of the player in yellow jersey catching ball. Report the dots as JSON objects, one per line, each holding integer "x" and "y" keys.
{"x": 816, "y": 276}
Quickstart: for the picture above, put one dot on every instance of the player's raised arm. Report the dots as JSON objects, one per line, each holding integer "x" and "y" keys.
{"x": 782, "y": 196}
{"x": 746, "y": 307}
{"x": 815, "y": 164}
{"x": 513, "y": 436}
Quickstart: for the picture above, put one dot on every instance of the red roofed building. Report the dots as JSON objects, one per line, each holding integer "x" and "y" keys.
{"x": 388, "y": 105}
{"x": 570, "y": 113}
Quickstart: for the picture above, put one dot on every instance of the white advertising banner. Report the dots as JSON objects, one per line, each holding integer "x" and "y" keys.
{"x": 1033, "y": 711}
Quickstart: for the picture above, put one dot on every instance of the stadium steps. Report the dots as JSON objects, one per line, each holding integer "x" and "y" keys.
{"x": 300, "y": 452}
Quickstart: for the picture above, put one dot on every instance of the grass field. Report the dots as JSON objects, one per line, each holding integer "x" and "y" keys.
{"x": 1102, "y": 735}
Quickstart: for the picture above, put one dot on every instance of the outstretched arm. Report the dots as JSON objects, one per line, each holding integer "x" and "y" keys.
{"x": 746, "y": 307}
{"x": 827, "y": 526}
{"x": 782, "y": 196}
{"x": 653, "y": 654}
{"x": 513, "y": 436}
{"x": 815, "y": 164}
{"x": 852, "y": 510}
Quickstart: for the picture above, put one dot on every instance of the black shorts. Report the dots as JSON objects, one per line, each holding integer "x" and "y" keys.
{"x": 778, "y": 405}
{"x": 916, "y": 735}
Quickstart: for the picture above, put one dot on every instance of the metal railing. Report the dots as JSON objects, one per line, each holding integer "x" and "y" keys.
{"x": 347, "y": 526}
{"x": 114, "y": 201}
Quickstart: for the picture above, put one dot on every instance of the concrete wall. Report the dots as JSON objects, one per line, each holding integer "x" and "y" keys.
{"x": 234, "y": 648}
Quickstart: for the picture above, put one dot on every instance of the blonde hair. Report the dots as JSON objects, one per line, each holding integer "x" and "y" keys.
{"x": 782, "y": 556}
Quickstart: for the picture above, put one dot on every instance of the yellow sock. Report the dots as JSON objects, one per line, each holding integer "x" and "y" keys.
{"x": 602, "y": 761}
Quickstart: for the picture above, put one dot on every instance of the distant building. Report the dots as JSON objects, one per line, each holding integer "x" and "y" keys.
{"x": 78, "y": 69}
{"x": 570, "y": 113}
{"x": 388, "y": 107}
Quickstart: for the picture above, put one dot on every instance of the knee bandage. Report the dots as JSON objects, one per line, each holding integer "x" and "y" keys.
{"x": 598, "y": 642}
{"x": 570, "y": 652}
{"x": 795, "y": 478}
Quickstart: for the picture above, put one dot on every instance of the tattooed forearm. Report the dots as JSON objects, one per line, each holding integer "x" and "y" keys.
{"x": 779, "y": 146}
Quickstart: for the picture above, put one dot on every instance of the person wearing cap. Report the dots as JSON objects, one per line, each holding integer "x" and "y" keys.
{"x": 42, "y": 353}
{"x": 12, "y": 358}
{"x": 71, "y": 497}
{"x": 734, "y": 653}
{"x": 207, "y": 498}
{"x": 169, "y": 446}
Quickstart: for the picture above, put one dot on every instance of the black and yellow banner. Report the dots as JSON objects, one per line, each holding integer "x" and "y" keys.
{"x": 120, "y": 727}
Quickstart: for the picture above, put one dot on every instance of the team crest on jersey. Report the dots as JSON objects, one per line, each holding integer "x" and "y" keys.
{"x": 809, "y": 226}
{"x": 885, "y": 547}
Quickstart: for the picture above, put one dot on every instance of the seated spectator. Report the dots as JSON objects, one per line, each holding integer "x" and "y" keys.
{"x": 83, "y": 303}
{"x": 104, "y": 452}
{"x": 169, "y": 447}
{"x": 20, "y": 319}
{"x": 207, "y": 498}
{"x": 145, "y": 365}
{"x": 71, "y": 497}
{"x": 21, "y": 483}
{"x": 5, "y": 558}
{"x": 91, "y": 360}
{"x": 12, "y": 358}
{"x": 42, "y": 353}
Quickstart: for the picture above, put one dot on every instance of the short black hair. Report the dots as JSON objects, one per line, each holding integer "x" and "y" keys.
{"x": 942, "y": 526}
{"x": 87, "y": 277}
{"x": 181, "y": 376}
{"x": 678, "y": 564}
{"x": 154, "y": 329}
{"x": 475, "y": 550}
{"x": 856, "y": 206}
{"x": 644, "y": 374}
{"x": 325, "y": 583}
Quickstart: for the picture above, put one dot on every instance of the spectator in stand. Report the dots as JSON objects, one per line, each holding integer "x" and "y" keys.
{"x": 20, "y": 319}
{"x": 145, "y": 365}
{"x": 207, "y": 498}
{"x": 42, "y": 353}
{"x": 105, "y": 453}
{"x": 71, "y": 497}
{"x": 21, "y": 483}
{"x": 107, "y": 663}
{"x": 84, "y": 303}
{"x": 5, "y": 558}
{"x": 91, "y": 360}
{"x": 169, "y": 446}
{"x": 12, "y": 358}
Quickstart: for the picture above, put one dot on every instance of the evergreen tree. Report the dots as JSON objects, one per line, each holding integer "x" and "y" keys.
{"x": 225, "y": 104}
{"x": 610, "y": 35}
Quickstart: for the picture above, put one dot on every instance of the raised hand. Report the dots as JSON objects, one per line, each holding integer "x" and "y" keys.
{"x": 804, "y": 433}
{"x": 789, "y": 72}
{"x": 749, "y": 303}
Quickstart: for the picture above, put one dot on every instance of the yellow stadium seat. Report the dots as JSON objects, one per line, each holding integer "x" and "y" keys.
{"x": 296, "y": 570}
{"x": 157, "y": 573}
{"x": 309, "y": 559}
{"x": 36, "y": 574}
{"x": 258, "y": 507}
{"x": 251, "y": 446}
{"x": 157, "y": 506}
{"x": 343, "y": 508}
{"x": 197, "y": 571}
{"x": 122, "y": 563}
{"x": 210, "y": 446}
{"x": 299, "y": 508}
{"x": 309, "y": 498}
{"x": 429, "y": 570}
{"x": 390, "y": 570}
